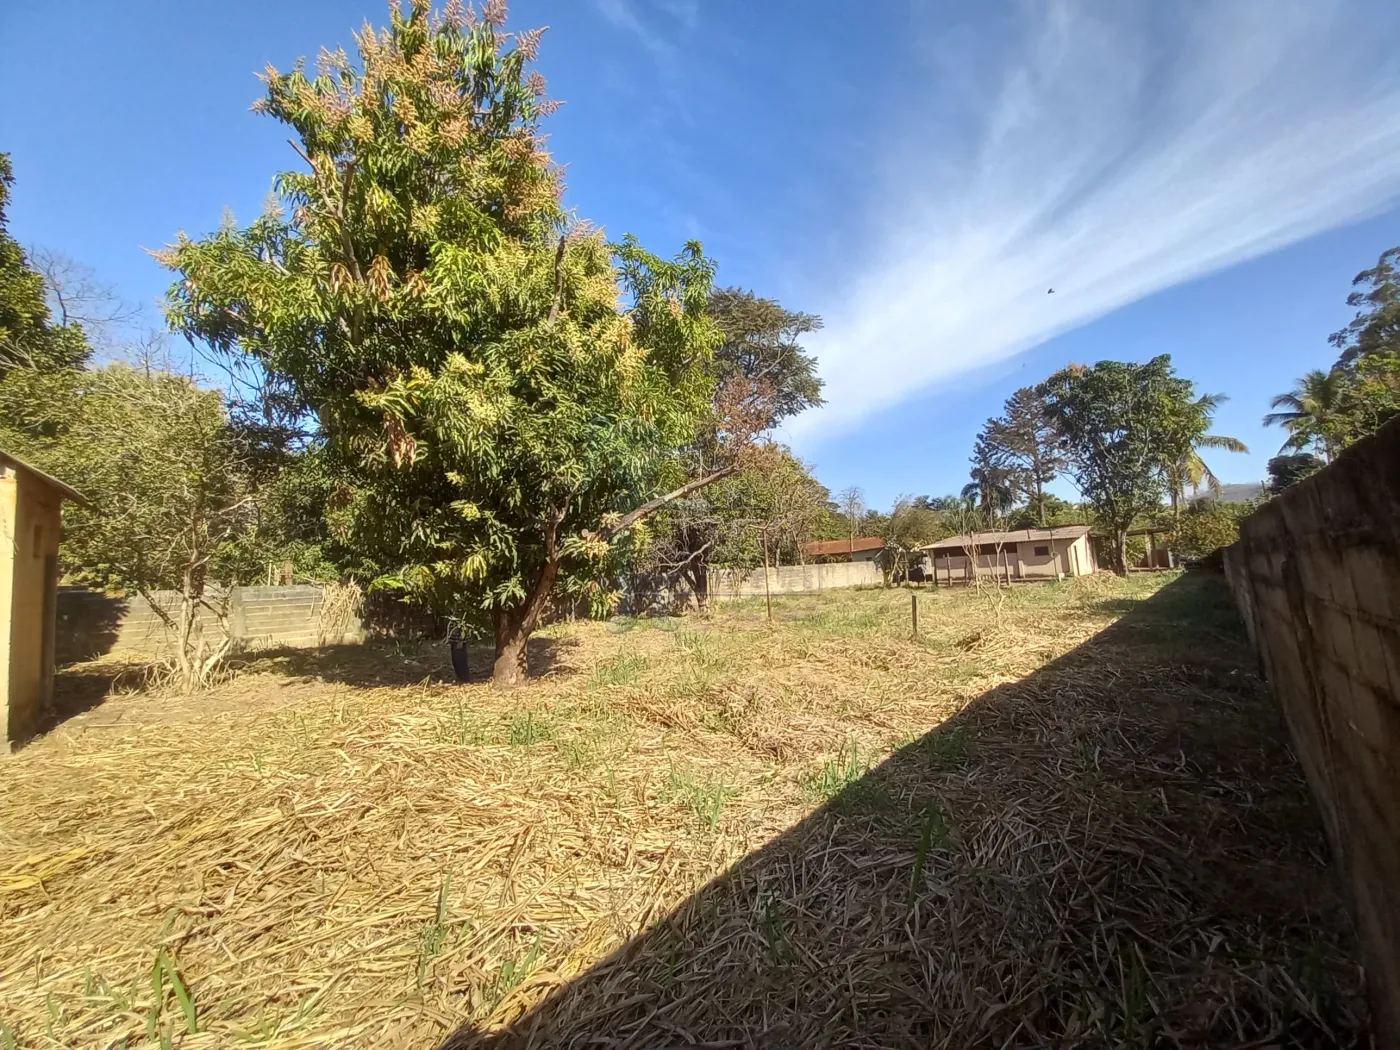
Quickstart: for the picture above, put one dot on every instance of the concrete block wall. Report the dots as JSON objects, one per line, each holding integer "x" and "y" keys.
{"x": 795, "y": 579}
{"x": 92, "y": 624}
{"x": 1316, "y": 573}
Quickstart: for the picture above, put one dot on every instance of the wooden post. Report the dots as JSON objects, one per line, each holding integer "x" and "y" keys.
{"x": 767, "y": 594}
{"x": 914, "y": 612}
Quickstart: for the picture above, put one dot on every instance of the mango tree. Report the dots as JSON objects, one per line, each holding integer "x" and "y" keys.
{"x": 499, "y": 392}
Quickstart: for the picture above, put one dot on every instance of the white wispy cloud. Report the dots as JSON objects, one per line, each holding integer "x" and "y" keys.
{"x": 638, "y": 20}
{"x": 1107, "y": 151}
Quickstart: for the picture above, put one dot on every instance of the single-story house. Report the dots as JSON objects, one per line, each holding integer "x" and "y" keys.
{"x": 858, "y": 548}
{"x": 29, "y": 531}
{"x": 1022, "y": 554}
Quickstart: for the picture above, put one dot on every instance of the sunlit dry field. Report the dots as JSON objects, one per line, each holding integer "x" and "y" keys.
{"x": 1062, "y": 815}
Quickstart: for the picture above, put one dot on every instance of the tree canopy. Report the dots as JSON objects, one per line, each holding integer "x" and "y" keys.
{"x": 1288, "y": 470}
{"x": 1327, "y": 411}
{"x": 497, "y": 387}
{"x": 1017, "y": 455}
{"x": 28, "y": 334}
{"x": 1376, "y": 327}
{"x": 1188, "y": 467}
{"x": 762, "y": 349}
{"x": 1122, "y": 426}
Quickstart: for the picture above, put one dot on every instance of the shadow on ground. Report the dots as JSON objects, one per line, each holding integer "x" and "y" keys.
{"x": 81, "y": 689}
{"x": 387, "y": 663}
{"x": 1118, "y": 850}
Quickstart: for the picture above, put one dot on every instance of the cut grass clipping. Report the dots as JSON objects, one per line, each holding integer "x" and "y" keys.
{"x": 1032, "y": 826}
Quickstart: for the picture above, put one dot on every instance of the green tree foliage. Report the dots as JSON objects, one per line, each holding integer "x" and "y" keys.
{"x": 496, "y": 388}
{"x": 1046, "y": 512}
{"x": 1017, "y": 452}
{"x": 1288, "y": 470}
{"x": 39, "y": 360}
{"x": 1312, "y": 412}
{"x": 1203, "y": 529}
{"x": 291, "y": 488}
{"x": 165, "y": 474}
{"x": 774, "y": 499}
{"x": 1373, "y": 395}
{"x": 763, "y": 375}
{"x": 991, "y": 488}
{"x": 28, "y": 335}
{"x": 1122, "y": 425}
{"x": 906, "y": 528}
{"x": 762, "y": 352}
{"x": 1327, "y": 411}
{"x": 830, "y": 523}
{"x": 1188, "y": 468}
{"x": 1375, "y": 329}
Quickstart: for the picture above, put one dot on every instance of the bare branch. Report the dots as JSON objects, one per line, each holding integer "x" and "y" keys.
{"x": 76, "y": 296}
{"x": 652, "y": 506}
{"x": 558, "y": 303}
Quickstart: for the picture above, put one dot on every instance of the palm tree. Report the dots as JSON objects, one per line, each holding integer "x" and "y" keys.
{"x": 1311, "y": 407}
{"x": 989, "y": 492}
{"x": 1191, "y": 469}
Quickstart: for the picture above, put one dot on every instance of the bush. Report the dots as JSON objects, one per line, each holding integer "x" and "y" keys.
{"x": 1203, "y": 531}
{"x": 1289, "y": 470}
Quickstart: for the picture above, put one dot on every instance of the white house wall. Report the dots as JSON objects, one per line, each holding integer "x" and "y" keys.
{"x": 1068, "y": 557}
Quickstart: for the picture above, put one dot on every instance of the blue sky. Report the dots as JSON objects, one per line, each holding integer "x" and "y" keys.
{"x": 1200, "y": 179}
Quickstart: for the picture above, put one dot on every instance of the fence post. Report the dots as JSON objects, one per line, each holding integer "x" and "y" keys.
{"x": 914, "y": 612}
{"x": 767, "y": 594}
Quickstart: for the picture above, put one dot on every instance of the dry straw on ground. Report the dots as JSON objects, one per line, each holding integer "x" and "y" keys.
{"x": 965, "y": 839}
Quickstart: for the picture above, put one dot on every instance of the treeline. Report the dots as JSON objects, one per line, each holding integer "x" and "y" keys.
{"x": 1328, "y": 410}
{"x": 1129, "y": 436}
{"x": 1132, "y": 438}
{"x": 434, "y": 380}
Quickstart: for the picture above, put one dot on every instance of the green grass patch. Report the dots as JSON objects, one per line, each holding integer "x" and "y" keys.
{"x": 528, "y": 727}
{"x": 704, "y": 797}
{"x": 837, "y": 774}
{"x": 844, "y": 783}
{"x": 460, "y": 727}
{"x": 619, "y": 669}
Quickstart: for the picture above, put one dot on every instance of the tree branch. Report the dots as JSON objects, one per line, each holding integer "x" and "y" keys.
{"x": 652, "y": 506}
{"x": 558, "y": 303}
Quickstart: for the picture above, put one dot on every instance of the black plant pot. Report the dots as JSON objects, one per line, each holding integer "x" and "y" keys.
{"x": 458, "y": 647}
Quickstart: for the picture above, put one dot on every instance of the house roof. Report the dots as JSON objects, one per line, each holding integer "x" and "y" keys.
{"x": 67, "y": 491}
{"x": 816, "y": 548}
{"x": 1058, "y": 532}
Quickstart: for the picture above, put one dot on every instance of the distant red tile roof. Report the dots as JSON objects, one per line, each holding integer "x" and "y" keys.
{"x": 817, "y": 548}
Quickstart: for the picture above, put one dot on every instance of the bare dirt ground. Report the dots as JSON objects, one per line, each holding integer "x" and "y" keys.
{"x": 1065, "y": 815}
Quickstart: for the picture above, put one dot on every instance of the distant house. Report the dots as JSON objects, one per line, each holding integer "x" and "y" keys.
{"x": 859, "y": 548}
{"x": 1024, "y": 554}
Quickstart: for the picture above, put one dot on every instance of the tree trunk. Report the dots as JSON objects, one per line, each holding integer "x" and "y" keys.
{"x": 1120, "y": 551}
{"x": 513, "y": 626}
{"x": 511, "y": 666}
{"x": 700, "y": 586}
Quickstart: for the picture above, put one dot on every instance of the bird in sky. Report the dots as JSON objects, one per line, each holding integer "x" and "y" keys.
{"x": 1049, "y": 291}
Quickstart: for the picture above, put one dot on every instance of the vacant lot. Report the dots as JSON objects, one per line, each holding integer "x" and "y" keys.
{"x": 1063, "y": 815}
